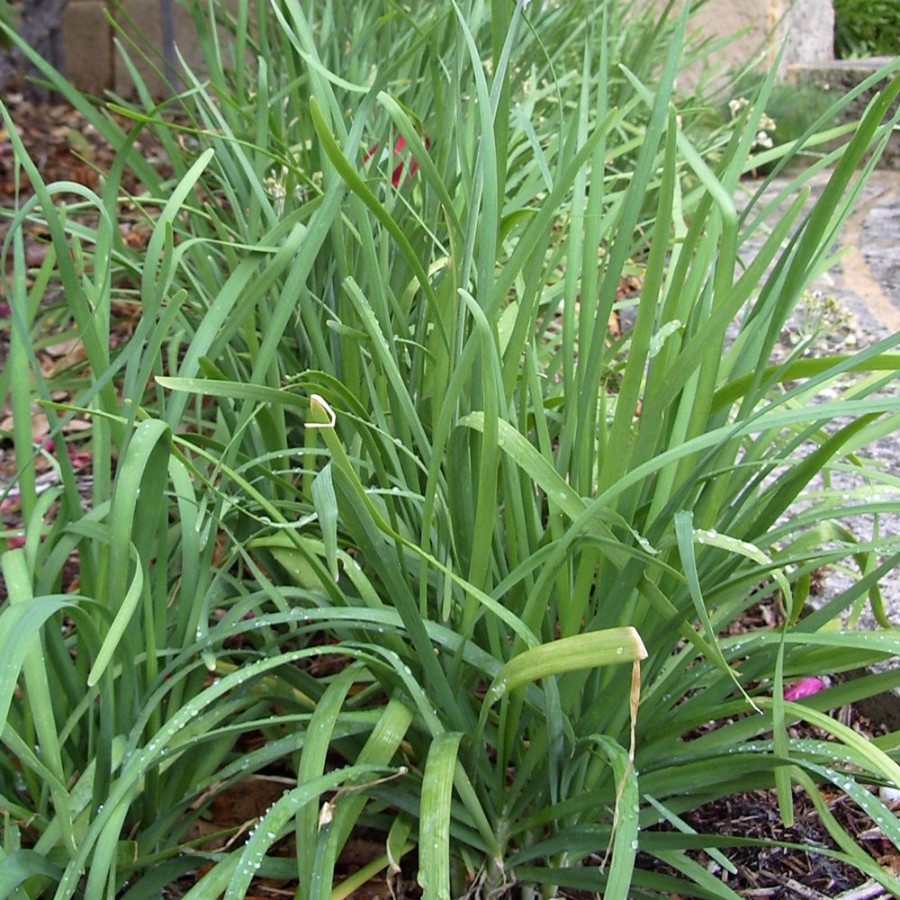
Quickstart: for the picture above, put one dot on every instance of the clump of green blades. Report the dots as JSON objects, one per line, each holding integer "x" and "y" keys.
{"x": 383, "y": 512}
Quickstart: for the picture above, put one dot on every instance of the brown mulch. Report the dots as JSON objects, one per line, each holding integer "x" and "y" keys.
{"x": 63, "y": 145}
{"x": 782, "y": 873}
{"x": 65, "y": 148}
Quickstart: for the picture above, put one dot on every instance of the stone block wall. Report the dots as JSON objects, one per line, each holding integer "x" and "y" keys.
{"x": 142, "y": 19}
{"x": 87, "y": 45}
{"x": 94, "y": 65}
{"x": 806, "y": 27}
{"x": 90, "y": 57}
{"x": 802, "y": 30}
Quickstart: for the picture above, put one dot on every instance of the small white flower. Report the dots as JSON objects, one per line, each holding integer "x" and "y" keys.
{"x": 736, "y": 105}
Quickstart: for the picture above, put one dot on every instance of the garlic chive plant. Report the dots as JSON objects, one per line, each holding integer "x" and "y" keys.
{"x": 385, "y": 513}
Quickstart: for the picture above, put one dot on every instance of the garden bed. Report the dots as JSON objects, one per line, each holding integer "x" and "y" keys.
{"x": 390, "y": 545}
{"x": 68, "y": 149}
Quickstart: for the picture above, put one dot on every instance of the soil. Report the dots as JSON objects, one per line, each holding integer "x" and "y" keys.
{"x": 782, "y": 873}
{"x": 67, "y": 148}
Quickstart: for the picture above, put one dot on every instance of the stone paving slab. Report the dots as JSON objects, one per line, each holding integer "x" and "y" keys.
{"x": 866, "y": 282}
{"x": 868, "y": 277}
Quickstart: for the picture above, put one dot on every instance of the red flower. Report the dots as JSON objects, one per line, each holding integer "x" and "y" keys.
{"x": 407, "y": 167}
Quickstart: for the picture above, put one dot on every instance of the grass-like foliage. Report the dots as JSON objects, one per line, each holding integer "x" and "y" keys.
{"x": 866, "y": 28}
{"x": 382, "y": 512}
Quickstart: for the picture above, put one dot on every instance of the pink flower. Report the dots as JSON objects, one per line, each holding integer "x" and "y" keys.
{"x": 805, "y": 687}
{"x": 80, "y": 459}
